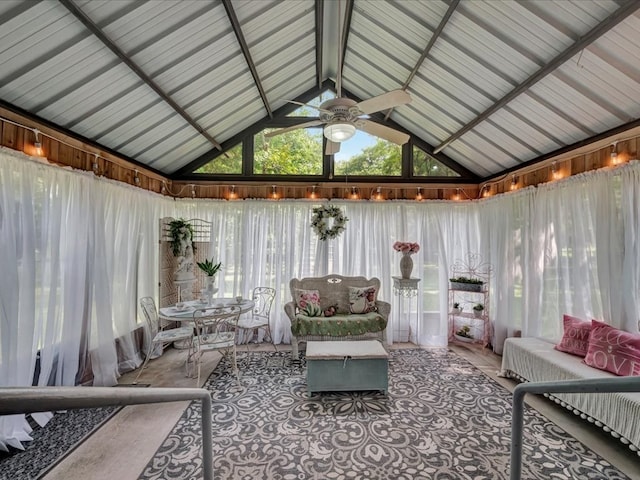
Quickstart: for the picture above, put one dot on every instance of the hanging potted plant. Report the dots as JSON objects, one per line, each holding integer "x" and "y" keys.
{"x": 181, "y": 243}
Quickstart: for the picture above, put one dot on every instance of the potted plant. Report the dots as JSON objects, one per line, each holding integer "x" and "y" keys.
{"x": 210, "y": 268}
{"x": 464, "y": 334}
{"x": 478, "y": 308}
{"x": 456, "y": 308}
{"x": 466, "y": 283}
{"x": 181, "y": 234}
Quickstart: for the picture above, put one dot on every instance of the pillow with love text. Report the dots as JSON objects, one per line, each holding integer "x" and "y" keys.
{"x": 613, "y": 350}
{"x": 575, "y": 339}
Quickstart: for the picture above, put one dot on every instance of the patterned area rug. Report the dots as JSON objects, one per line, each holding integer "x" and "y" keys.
{"x": 442, "y": 419}
{"x": 64, "y": 432}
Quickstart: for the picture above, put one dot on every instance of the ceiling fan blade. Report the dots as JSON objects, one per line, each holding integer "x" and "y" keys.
{"x": 385, "y": 101}
{"x": 310, "y": 106}
{"x": 280, "y": 131}
{"x": 332, "y": 148}
{"x": 382, "y": 131}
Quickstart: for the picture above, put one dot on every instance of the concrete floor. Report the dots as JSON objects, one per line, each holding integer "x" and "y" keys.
{"x": 123, "y": 446}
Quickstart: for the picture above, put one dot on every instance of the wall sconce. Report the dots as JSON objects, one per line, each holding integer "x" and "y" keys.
{"x": 232, "y": 193}
{"x": 136, "y": 178}
{"x": 614, "y": 154}
{"x": 514, "y": 182}
{"x": 419, "y": 194}
{"x": 37, "y": 144}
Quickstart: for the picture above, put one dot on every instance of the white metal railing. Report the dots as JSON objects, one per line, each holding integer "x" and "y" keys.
{"x": 17, "y": 400}
{"x": 594, "y": 385}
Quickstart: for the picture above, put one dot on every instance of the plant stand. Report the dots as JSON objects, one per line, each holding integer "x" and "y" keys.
{"x": 406, "y": 289}
{"x": 468, "y": 295}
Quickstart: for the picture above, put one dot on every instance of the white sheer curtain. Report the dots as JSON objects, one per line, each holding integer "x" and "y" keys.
{"x": 79, "y": 251}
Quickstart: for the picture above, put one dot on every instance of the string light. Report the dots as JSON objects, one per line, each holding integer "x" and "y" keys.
{"x": 486, "y": 191}
{"x": 456, "y": 196}
{"x": 136, "y": 178}
{"x": 232, "y": 194}
{"x": 37, "y": 144}
{"x": 419, "y": 194}
{"x": 514, "y": 182}
{"x": 274, "y": 192}
{"x": 164, "y": 188}
{"x": 614, "y": 154}
{"x": 313, "y": 192}
{"x": 378, "y": 195}
{"x": 555, "y": 173}
{"x": 354, "y": 193}
{"x": 95, "y": 167}
{"x": 193, "y": 191}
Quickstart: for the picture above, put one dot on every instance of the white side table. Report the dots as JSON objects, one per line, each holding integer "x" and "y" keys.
{"x": 406, "y": 289}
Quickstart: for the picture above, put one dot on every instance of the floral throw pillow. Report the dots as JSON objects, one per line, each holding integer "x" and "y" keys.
{"x": 362, "y": 300}
{"x": 308, "y": 302}
{"x": 575, "y": 339}
{"x": 613, "y": 350}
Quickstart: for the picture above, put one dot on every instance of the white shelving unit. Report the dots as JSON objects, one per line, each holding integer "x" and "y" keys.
{"x": 468, "y": 295}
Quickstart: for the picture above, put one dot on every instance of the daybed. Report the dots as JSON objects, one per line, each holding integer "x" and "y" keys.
{"x": 348, "y": 310}
{"x": 532, "y": 360}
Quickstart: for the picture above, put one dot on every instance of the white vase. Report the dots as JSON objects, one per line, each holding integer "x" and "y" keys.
{"x": 210, "y": 282}
{"x": 406, "y": 265}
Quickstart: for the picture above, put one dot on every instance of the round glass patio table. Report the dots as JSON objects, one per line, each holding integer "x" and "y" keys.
{"x": 173, "y": 314}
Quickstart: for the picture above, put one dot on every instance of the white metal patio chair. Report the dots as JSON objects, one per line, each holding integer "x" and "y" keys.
{"x": 215, "y": 330}
{"x": 248, "y": 326}
{"x": 154, "y": 336}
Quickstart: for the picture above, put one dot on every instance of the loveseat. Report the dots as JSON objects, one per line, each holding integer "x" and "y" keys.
{"x": 335, "y": 307}
{"x": 535, "y": 360}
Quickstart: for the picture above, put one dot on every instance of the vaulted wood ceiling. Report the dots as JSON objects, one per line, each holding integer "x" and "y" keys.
{"x": 168, "y": 84}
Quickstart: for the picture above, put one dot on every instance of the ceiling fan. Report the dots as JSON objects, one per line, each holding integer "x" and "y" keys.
{"x": 342, "y": 116}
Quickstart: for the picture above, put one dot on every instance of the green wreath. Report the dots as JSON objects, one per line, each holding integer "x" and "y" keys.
{"x": 319, "y": 221}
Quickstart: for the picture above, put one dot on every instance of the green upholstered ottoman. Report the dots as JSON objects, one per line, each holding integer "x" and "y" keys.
{"x": 347, "y": 366}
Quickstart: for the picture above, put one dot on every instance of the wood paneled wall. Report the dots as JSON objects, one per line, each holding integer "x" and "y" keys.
{"x": 16, "y": 132}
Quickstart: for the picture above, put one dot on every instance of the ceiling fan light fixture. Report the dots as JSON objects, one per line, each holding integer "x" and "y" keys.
{"x": 339, "y": 132}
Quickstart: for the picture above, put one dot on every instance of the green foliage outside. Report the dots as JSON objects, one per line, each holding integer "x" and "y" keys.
{"x": 424, "y": 165}
{"x": 229, "y": 162}
{"x": 383, "y": 158}
{"x": 298, "y": 152}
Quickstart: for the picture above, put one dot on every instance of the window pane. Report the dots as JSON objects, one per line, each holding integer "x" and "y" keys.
{"x": 424, "y": 165}
{"x": 298, "y": 152}
{"x": 227, "y": 162}
{"x": 364, "y": 154}
{"x": 307, "y": 111}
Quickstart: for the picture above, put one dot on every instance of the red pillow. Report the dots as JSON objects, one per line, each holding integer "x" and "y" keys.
{"x": 575, "y": 339}
{"x": 613, "y": 350}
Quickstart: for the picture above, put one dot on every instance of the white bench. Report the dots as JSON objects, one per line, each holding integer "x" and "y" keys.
{"x": 536, "y": 360}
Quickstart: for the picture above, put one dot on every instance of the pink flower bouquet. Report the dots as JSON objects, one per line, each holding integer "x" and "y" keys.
{"x": 406, "y": 247}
